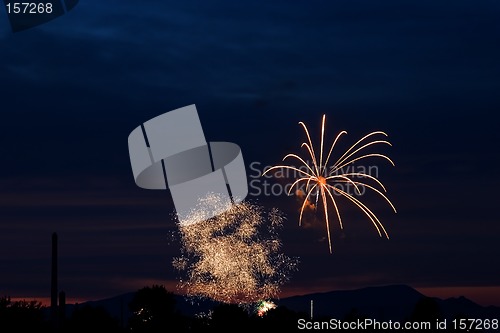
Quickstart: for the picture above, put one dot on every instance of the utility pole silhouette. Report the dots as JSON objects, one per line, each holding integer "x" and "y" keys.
{"x": 53, "y": 286}
{"x": 311, "y": 309}
{"x": 62, "y": 310}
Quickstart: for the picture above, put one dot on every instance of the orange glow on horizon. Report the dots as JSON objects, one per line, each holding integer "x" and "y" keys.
{"x": 482, "y": 295}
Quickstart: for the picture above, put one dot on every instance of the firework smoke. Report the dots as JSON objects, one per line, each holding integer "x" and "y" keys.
{"x": 234, "y": 257}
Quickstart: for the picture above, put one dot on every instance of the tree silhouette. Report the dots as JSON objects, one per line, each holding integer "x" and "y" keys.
{"x": 153, "y": 310}
{"x": 23, "y": 315}
{"x": 354, "y": 315}
{"x": 229, "y": 316}
{"x": 426, "y": 309}
{"x": 91, "y": 319}
{"x": 280, "y": 319}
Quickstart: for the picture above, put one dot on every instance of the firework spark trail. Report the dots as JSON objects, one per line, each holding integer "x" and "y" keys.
{"x": 234, "y": 257}
{"x": 317, "y": 177}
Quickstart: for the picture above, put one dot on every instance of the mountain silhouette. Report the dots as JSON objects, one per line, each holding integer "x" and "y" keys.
{"x": 392, "y": 302}
{"x": 117, "y": 306}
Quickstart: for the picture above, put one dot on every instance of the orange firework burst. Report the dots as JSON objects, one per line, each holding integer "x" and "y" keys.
{"x": 319, "y": 176}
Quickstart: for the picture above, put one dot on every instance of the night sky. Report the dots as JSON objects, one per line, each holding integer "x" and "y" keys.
{"x": 425, "y": 72}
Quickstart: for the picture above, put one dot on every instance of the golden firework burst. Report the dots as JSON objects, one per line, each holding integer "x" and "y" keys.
{"x": 322, "y": 180}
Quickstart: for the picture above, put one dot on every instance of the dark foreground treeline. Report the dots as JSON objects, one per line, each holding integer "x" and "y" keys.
{"x": 153, "y": 309}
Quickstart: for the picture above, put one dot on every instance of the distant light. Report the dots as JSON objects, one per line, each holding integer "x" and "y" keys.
{"x": 264, "y": 306}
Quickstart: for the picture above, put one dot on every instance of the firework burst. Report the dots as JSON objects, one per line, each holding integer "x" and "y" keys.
{"x": 325, "y": 181}
{"x": 263, "y": 307}
{"x": 234, "y": 257}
